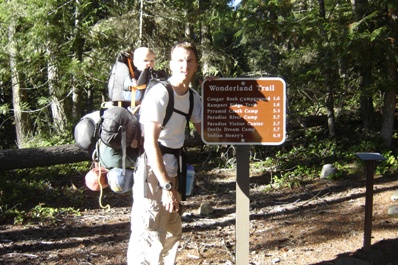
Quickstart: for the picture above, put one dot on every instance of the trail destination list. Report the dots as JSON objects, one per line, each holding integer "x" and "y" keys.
{"x": 244, "y": 111}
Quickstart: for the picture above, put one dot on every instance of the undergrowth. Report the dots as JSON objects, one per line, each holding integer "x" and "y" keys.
{"x": 49, "y": 194}
{"x": 41, "y": 194}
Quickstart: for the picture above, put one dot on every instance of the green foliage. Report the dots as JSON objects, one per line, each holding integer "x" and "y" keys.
{"x": 389, "y": 166}
{"x": 48, "y": 138}
{"x": 301, "y": 158}
{"x": 32, "y": 195}
{"x": 43, "y": 214}
{"x": 4, "y": 109}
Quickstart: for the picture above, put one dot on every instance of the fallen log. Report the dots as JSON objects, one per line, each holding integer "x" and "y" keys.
{"x": 41, "y": 157}
{"x": 55, "y": 155}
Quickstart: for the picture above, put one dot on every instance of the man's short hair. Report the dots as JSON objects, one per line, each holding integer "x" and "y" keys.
{"x": 186, "y": 45}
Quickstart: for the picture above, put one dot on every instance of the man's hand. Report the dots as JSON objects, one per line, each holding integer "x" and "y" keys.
{"x": 169, "y": 200}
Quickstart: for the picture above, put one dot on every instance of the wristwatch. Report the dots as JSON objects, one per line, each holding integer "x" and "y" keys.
{"x": 167, "y": 186}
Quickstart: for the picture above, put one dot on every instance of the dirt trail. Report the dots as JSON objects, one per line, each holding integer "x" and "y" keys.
{"x": 313, "y": 224}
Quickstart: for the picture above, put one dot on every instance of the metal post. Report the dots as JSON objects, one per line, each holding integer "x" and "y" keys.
{"x": 370, "y": 160}
{"x": 370, "y": 169}
{"x": 242, "y": 205}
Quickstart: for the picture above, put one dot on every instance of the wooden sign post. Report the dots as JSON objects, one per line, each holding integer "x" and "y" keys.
{"x": 243, "y": 112}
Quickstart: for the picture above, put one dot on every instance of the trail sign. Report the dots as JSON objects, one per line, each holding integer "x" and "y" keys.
{"x": 244, "y": 111}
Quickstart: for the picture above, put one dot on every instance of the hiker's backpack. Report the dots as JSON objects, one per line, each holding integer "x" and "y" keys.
{"x": 124, "y": 68}
{"x": 119, "y": 130}
{"x": 144, "y": 80}
{"x": 115, "y": 137}
{"x": 110, "y": 125}
{"x": 119, "y": 127}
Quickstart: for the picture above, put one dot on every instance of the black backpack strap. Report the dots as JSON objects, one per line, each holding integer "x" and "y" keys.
{"x": 170, "y": 104}
{"x": 189, "y": 114}
{"x": 190, "y": 105}
{"x": 124, "y": 147}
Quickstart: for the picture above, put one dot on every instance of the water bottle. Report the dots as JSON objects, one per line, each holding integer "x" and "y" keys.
{"x": 190, "y": 178}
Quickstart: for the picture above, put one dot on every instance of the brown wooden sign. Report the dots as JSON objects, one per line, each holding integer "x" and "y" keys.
{"x": 248, "y": 111}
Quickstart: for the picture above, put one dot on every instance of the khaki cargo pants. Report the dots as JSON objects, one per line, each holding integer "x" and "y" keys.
{"x": 155, "y": 233}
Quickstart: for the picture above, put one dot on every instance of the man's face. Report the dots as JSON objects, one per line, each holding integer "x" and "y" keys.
{"x": 144, "y": 61}
{"x": 183, "y": 64}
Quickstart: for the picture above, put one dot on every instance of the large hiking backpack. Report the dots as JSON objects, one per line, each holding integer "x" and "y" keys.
{"x": 112, "y": 138}
{"x": 119, "y": 128}
{"x": 117, "y": 147}
{"x": 124, "y": 68}
{"x": 116, "y": 121}
{"x": 144, "y": 81}
{"x": 115, "y": 137}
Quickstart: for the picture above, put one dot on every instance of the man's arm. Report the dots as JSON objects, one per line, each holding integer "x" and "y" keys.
{"x": 151, "y": 146}
{"x": 155, "y": 158}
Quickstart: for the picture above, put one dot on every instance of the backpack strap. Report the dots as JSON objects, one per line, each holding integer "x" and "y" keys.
{"x": 170, "y": 106}
{"x": 133, "y": 93}
{"x": 124, "y": 147}
{"x": 190, "y": 105}
{"x": 131, "y": 67}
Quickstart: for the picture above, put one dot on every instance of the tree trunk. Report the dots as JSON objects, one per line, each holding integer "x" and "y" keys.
{"x": 64, "y": 154}
{"x": 76, "y": 102}
{"x": 78, "y": 46}
{"x": 364, "y": 60}
{"x": 90, "y": 100}
{"x": 41, "y": 157}
{"x": 330, "y": 111}
{"x": 205, "y": 38}
{"x": 206, "y": 44}
{"x": 273, "y": 51}
{"x": 57, "y": 110}
{"x": 188, "y": 25}
{"x": 388, "y": 116}
{"x": 366, "y": 103}
{"x": 391, "y": 93}
{"x": 22, "y": 125}
{"x": 329, "y": 75}
{"x": 141, "y": 22}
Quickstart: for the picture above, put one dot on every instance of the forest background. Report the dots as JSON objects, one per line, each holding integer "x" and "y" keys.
{"x": 338, "y": 58}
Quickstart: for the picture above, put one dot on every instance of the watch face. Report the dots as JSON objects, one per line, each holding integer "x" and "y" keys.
{"x": 167, "y": 186}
